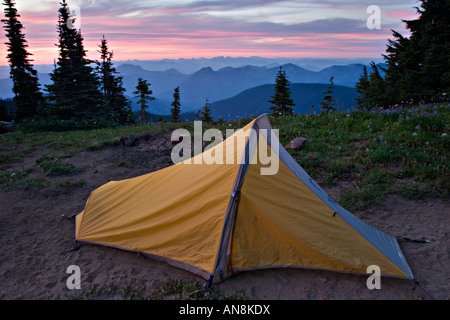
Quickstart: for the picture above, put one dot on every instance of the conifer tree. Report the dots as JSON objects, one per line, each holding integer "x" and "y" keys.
{"x": 328, "y": 102}
{"x": 206, "y": 113}
{"x": 418, "y": 66}
{"x": 74, "y": 94}
{"x": 176, "y": 105}
{"x": 372, "y": 89}
{"x": 402, "y": 68}
{"x": 143, "y": 93}
{"x": 27, "y": 95}
{"x": 361, "y": 87}
{"x": 115, "y": 104}
{"x": 376, "y": 93}
{"x": 281, "y": 100}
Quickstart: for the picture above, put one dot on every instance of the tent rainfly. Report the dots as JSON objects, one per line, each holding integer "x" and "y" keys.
{"x": 216, "y": 219}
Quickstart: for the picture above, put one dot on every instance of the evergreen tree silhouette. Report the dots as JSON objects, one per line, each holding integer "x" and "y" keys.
{"x": 281, "y": 100}
{"x": 117, "y": 107}
{"x": 26, "y": 89}
{"x": 176, "y": 105}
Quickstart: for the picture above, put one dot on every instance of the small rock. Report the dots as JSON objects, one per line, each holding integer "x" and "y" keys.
{"x": 128, "y": 141}
{"x": 296, "y": 144}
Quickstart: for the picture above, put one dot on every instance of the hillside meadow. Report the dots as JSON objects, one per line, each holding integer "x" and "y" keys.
{"x": 389, "y": 167}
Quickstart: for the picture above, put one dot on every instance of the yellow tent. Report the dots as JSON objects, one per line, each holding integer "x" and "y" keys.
{"x": 218, "y": 218}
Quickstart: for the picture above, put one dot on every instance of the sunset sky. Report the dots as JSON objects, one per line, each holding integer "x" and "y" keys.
{"x": 155, "y": 29}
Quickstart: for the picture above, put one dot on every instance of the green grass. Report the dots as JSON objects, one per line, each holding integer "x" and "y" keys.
{"x": 178, "y": 289}
{"x": 53, "y": 167}
{"x": 194, "y": 290}
{"x": 67, "y": 183}
{"x": 58, "y": 146}
{"x": 123, "y": 163}
{"x": 65, "y": 144}
{"x": 11, "y": 157}
{"x": 18, "y": 179}
{"x": 372, "y": 150}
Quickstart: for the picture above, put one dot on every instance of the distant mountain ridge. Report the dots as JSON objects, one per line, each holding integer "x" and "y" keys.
{"x": 188, "y": 66}
{"x": 254, "y": 101}
{"x": 208, "y": 84}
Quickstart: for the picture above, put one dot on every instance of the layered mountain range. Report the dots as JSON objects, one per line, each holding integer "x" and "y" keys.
{"x": 231, "y": 91}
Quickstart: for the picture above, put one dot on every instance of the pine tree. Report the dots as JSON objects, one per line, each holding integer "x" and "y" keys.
{"x": 376, "y": 93}
{"x": 86, "y": 84}
{"x": 430, "y": 35}
{"x": 328, "y": 102}
{"x": 74, "y": 94}
{"x": 372, "y": 89}
{"x": 27, "y": 95}
{"x": 115, "y": 104}
{"x": 418, "y": 67}
{"x": 176, "y": 105}
{"x": 143, "y": 93}
{"x": 362, "y": 87}
{"x": 282, "y": 97}
{"x": 402, "y": 69}
{"x": 206, "y": 113}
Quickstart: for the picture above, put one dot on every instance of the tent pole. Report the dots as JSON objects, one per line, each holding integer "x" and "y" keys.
{"x": 208, "y": 284}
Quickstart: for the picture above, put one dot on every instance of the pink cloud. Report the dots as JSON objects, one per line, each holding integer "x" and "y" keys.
{"x": 140, "y": 33}
{"x": 401, "y": 14}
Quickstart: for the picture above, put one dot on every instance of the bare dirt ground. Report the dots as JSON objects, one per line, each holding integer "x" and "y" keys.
{"x": 36, "y": 237}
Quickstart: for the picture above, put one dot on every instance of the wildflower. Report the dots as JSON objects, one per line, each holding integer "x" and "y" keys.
{"x": 414, "y": 133}
{"x": 418, "y": 128}
{"x": 367, "y": 150}
{"x": 381, "y": 138}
